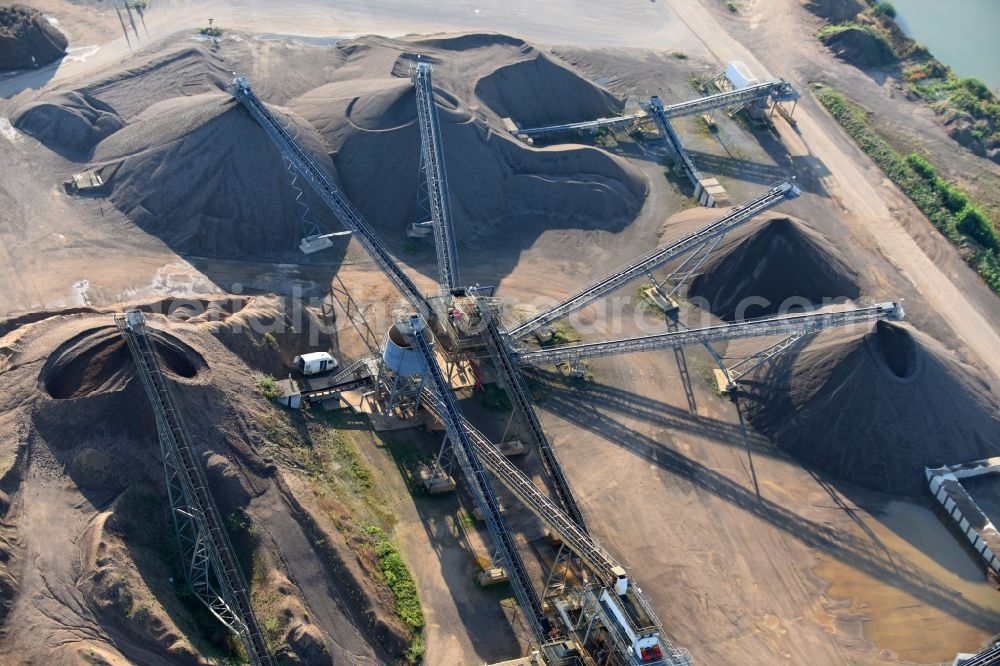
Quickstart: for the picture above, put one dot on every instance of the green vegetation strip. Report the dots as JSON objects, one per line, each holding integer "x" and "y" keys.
{"x": 948, "y": 208}
{"x": 404, "y": 589}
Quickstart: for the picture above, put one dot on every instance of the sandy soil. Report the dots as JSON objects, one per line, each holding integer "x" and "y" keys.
{"x": 747, "y": 556}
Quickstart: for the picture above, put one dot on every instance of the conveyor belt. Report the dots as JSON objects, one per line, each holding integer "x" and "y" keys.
{"x": 510, "y": 378}
{"x": 320, "y": 394}
{"x": 764, "y": 326}
{"x": 207, "y": 528}
{"x": 778, "y": 89}
{"x": 432, "y": 155}
{"x": 675, "y": 146}
{"x": 661, "y": 255}
{"x": 446, "y": 407}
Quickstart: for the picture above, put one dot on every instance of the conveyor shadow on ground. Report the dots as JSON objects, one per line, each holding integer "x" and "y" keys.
{"x": 859, "y": 553}
{"x": 559, "y": 396}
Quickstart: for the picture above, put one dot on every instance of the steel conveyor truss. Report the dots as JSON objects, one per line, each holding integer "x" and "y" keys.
{"x": 432, "y": 167}
{"x": 785, "y": 325}
{"x": 736, "y": 217}
{"x": 210, "y": 566}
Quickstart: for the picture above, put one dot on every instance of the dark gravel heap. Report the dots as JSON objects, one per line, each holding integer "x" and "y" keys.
{"x": 27, "y": 39}
{"x": 875, "y": 407}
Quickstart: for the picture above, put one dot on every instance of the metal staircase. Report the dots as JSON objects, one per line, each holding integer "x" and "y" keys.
{"x": 331, "y": 195}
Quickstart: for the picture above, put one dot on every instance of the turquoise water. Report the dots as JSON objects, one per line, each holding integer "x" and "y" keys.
{"x": 963, "y": 34}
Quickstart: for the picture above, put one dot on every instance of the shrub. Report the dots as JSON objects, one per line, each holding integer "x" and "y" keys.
{"x": 884, "y": 8}
{"x": 976, "y": 88}
{"x": 974, "y": 223}
{"x": 946, "y": 206}
{"x": 268, "y": 385}
{"x": 954, "y": 199}
{"x": 988, "y": 266}
{"x": 921, "y": 166}
{"x": 404, "y": 588}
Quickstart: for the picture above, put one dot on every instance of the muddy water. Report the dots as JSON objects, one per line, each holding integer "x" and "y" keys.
{"x": 903, "y": 620}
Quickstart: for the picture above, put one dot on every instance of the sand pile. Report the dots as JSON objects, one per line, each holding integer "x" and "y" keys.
{"x": 777, "y": 265}
{"x": 100, "y": 448}
{"x": 498, "y": 185}
{"x": 69, "y": 122}
{"x": 200, "y": 174}
{"x": 73, "y": 121}
{"x": 27, "y": 39}
{"x": 875, "y": 407}
{"x": 97, "y": 361}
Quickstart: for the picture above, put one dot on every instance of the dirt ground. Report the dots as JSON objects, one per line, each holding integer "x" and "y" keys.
{"x": 747, "y": 556}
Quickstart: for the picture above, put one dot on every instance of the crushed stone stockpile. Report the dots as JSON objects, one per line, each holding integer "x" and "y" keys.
{"x": 498, "y": 185}
{"x": 200, "y": 174}
{"x": 835, "y": 11}
{"x": 860, "y": 47}
{"x": 71, "y": 122}
{"x": 771, "y": 266}
{"x": 192, "y": 168}
{"x": 875, "y": 407}
{"x": 28, "y": 39}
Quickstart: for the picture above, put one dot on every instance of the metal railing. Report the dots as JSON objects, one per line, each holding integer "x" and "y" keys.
{"x": 675, "y": 147}
{"x": 777, "y": 89}
{"x": 511, "y": 380}
{"x": 441, "y": 400}
{"x": 598, "y": 560}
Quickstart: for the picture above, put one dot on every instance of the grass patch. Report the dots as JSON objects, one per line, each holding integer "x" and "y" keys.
{"x": 327, "y": 454}
{"x": 268, "y": 386}
{"x": 950, "y": 209}
{"x": 212, "y": 31}
{"x": 680, "y": 55}
{"x": 562, "y": 334}
{"x": 404, "y": 589}
{"x": 465, "y": 519}
{"x": 937, "y": 85}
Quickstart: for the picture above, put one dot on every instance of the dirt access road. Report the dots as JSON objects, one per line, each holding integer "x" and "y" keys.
{"x": 869, "y": 200}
